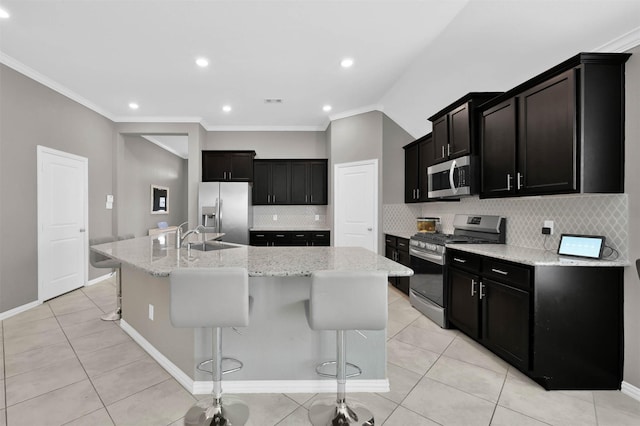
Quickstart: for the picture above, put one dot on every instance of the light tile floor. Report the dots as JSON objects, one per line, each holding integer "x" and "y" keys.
{"x": 61, "y": 365}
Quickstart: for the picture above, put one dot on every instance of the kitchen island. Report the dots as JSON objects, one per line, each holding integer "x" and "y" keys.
{"x": 278, "y": 349}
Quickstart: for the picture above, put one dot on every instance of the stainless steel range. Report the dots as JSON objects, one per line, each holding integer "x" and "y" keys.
{"x": 428, "y": 289}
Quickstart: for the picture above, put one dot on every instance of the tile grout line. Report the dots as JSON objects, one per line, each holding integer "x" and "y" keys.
{"x": 85, "y": 371}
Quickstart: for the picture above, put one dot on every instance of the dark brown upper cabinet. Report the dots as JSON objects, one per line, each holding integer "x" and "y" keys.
{"x": 290, "y": 182}
{"x": 418, "y": 155}
{"x": 308, "y": 181}
{"x": 560, "y": 132}
{"x": 233, "y": 166}
{"x": 272, "y": 182}
{"x": 455, "y": 128}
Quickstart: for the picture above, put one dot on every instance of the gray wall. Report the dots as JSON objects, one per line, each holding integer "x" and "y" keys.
{"x": 147, "y": 164}
{"x": 30, "y": 115}
{"x": 394, "y": 138}
{"x": 275, "y": 144}
{"x": 358, "y": 138}
{"x": 632, "y": 188}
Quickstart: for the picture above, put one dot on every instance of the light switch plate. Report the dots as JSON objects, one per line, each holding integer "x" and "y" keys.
{"x": 275, "y": 217}
{"x": 317, "y": 217}
{"x": 151, "y": 312}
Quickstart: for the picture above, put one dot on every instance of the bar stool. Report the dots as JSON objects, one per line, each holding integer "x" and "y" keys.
{"x": 341, "y": 301}
{"x": 213, "y": 298}
{"x": 98, "y": 260}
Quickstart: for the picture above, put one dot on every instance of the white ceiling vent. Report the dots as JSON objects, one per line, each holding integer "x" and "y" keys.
{"x": 273, "y": 101}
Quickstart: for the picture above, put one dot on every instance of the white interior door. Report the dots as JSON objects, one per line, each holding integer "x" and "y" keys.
{"x": 62, "y": 222}
{"x": 356, "y": 204}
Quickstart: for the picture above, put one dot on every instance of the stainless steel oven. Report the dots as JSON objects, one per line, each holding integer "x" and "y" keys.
{"x": 428, "y": 290}
{"x": 427, "y": 285}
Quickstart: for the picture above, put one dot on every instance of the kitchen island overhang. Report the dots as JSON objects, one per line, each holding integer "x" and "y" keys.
{"x": 278, "y": 349}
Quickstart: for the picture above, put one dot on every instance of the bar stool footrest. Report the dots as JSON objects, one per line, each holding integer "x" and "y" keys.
{"x": 319, "y": 371}
{"x": 238, "y": 366}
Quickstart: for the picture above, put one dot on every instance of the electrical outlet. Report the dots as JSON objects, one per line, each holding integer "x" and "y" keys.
{"x": 275, "y": 217}
{"x": 317, "y": 217}
{"x": 151, "y": 312}
{"x": 548, "y": 224}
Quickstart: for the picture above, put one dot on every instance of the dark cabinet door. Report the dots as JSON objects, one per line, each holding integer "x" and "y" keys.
{"x": 411, "y": 166}
{"x": 317, "y": 182}
{"x": 459, "y": 132}
{"x": 299, "y": 183}
{"x": 257, "y": 238}
{"x": 498, "y": 149}
{"x": 241, "y": 166}
{"x": 505, "y": 319}
{"x": 547, "y": 137}
{"x": 214, "y": 166}
{"x": 280, "y": 183}
{"x": 464, "y": 307}
{"x": 440, "y": 138}
{"x": 261, "y": 183}
{"x": 236, "y": 166}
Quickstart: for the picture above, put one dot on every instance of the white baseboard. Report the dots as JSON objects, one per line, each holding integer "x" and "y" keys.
{"x": 252, "y": 386}
{"x": 630, "y": 390}
{"x": 19, "y": 309}
{"x": 177, "y": 373}
{"x": 99, "y": 279}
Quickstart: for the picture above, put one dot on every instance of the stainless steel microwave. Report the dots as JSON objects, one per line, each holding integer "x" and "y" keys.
{"x": 453, "y": 178}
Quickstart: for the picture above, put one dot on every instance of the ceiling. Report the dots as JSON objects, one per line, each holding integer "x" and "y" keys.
{"x": 107, "y": 54}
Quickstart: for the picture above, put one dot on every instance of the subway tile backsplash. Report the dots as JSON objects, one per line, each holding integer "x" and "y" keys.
{"x": 594, "y": 214}
{"x": 290, "y": 216}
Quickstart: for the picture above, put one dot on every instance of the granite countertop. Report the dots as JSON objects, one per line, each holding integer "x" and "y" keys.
{"x": 159, "y": 257}
{"x": 401, "y": 234}
{"x": 530, "y": 256}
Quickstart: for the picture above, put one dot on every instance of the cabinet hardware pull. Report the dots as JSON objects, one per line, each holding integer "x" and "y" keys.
{"x": 473, "y": 288}
{"x": 224, "y": 175}
{"x": 482, "y": 293}
{"x": 457, "y": 259}
{"x": 279, "y": 235}
{"x": 305, "y": 198}
{"x": 230, "y": 175}
{"x": 498, "y": 271}
{"x": 413, "y": 194}
{"x": 274, "y": 198}
{"x": 299, "y": 235}
{"x": 508, "y": 182}
{"x": 260, "y": 235}
{"x": 268, "y": 199}
{"x": 311, "y": 198}
{"x": 443, "y": 151}
{"x": 448, "y": 150}
{"x": 520, "y": 176}
{"x": 319, "y": 235}
{"x": 418, "y": 194}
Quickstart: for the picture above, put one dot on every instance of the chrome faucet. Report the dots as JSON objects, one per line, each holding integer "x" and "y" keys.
{"x": 180, "y": 237}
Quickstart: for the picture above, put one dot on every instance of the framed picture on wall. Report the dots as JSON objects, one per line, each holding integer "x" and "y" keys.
{"x": 159, "y": 199}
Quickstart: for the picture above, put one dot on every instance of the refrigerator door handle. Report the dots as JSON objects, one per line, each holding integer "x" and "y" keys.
{"x": 220, "y": 217}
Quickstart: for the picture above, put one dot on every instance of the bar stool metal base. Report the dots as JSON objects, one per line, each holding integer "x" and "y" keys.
{"x": 211, "y": 411}
{"x": 329, "y": 412}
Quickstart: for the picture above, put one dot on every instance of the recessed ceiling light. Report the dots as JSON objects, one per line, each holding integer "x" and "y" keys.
{"x": 4, "y": 14}
{"x": 226, "y": 108}
{"x": 326, "y": 108}
{"x": 202, "y": 62}
{"x": 346, "y": 63}
{"x": 134, "y": 105}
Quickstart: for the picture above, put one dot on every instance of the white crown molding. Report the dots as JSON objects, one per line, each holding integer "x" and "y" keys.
{"x": 357, "y": 111}
{"x": 623, "y": 43}
{"x": 157, "y": 119}
{"x": 264, "y": 128}
{"x": 54, "y": 85}
{"x": 163, "y": 146}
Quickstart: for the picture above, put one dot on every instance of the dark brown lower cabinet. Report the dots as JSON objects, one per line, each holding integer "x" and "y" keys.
{"x": 560, "y": 325}
{"x": 397, "y": 249}
{"x": 289, "y": 238}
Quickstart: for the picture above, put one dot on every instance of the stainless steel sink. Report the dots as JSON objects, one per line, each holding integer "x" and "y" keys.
{"x": 210, "y": 246}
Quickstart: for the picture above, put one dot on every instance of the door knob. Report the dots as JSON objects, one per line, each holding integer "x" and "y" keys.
{"x": 82, "y": 229}
{"x": 369, "y": 229}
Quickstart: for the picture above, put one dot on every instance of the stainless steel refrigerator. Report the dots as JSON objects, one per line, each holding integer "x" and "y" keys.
{"x": 226, "y": 207}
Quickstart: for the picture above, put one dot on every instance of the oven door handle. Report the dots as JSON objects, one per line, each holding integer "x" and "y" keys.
{"x": 426, "y": 256}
